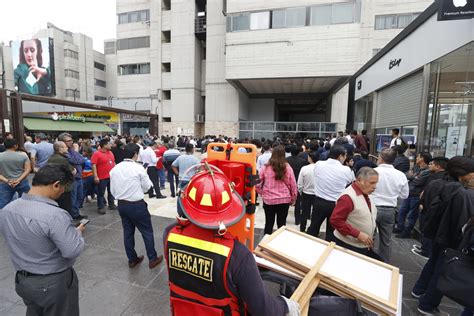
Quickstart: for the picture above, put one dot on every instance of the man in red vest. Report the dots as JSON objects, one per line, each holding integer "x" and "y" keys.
{"x": 210, "y": 271}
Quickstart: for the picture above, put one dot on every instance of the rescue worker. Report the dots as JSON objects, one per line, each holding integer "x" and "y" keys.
{"x": 210, "y": 271}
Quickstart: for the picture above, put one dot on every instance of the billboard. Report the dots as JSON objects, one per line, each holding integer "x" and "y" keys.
{"x": 33, "y": 61}
{"x": 455, "y": 9}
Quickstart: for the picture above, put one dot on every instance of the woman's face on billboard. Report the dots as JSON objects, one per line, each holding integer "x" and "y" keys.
{"x": 30, "y": 51}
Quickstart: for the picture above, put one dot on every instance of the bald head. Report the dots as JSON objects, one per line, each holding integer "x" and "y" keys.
{"x": 60, "y": 147}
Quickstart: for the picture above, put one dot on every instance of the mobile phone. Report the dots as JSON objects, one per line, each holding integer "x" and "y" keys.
{"x": 84, "y": 221}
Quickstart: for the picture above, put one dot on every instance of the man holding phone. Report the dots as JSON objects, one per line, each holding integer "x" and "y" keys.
{"x": 44, "y": 245}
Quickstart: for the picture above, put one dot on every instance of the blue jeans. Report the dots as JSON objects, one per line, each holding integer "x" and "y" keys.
{"x": 172, "y": 179}
{"x": 426, "y": 284}
{"x": 162, "y": 176}
{"x": 182, "y": 184}
{"x": 7, "y": 192}
{"x": 135, "y": 214}
{"x": 76, "y": 197}
{"x": 467, "y": 312}
{"x": 88, "y": 188}
{"x": 408, "y": 214}
{"x": 104, "y": 184}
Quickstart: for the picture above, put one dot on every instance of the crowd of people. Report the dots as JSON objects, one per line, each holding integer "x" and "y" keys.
{"x": 363, "y": 200}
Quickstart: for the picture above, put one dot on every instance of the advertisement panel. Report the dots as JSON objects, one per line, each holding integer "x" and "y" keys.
{"x": 455, "y": 9}
{"x": 33, "y": 61}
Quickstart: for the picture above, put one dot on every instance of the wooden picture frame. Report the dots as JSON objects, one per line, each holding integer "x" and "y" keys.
{"x": 269, "y": 248}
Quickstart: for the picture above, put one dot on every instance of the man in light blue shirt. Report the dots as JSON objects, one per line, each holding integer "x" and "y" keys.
{"x": 180, "y": 165}
{"x": 41, "y": 151}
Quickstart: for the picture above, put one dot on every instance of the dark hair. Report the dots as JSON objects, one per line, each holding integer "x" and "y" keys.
{"x": 396, "y": 131}
{"x": 314, "y": 155}
{"x": 336, "y": 151}
{"x": 266, "y": 146}
{"x": 354, "y": 133}
{"x": 399, "y": 149}
{"x": 189, "y": 148}
{"x": 103, "y": 142}
{"x": 460, "y": 166}
{"x": 39, "y": 52}
{"x": 130, "y": 150}
{"x": 364, "y": 154}
{"x": 50, "y": 174}
{"x": 388, "y": 155}
{"x": 10, "y": 143}
{"x": 118, "y": 143}
{"x": 426, "y": 157}
{"x": 278, "y": 162}
{"x": 314, "y": 145}
{"x": 294, "y": 150}
{"x": 364, "y": 132}
{"x": 442, "y": 162}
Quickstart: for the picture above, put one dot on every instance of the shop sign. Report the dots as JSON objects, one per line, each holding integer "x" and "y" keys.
{"x": 67, "y": 117}
{"x": 394, "y": 63}
{"x": 455, "y": 9}
{"x": 108, "y": 117}
{"x": 455, "y": 140}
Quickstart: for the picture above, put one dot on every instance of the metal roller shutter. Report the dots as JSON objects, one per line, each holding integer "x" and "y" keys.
{"x": 399, "y": 104}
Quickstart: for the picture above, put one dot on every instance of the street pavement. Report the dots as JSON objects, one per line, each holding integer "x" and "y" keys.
{"x": 108, "y": 287}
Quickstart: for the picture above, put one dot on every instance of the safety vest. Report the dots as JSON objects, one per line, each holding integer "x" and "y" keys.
{"x": 197, "y": 261}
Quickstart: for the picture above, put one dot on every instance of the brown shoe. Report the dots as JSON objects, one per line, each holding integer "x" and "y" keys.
{"x": 133, "y": 264}
{"x": 155, "y": 262}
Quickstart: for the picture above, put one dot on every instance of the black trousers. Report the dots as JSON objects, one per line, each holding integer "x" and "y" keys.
{"x": 53, "y": 294}
{"x": 298, "y": 208}
{"x": 307, "y": 206}
{"x": 280, "y": 211}
{"x": 153, "y": 174}
{"x": 173, "y": 179}
{"x": 322, "y": 211}
{"x": 363, "y": 251}
{"x": 65, "y": 202}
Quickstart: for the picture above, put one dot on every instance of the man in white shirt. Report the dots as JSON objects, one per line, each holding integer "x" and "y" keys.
{"x": 265, "y": 157}
{"x": 392, "y": 185}
{"x": 306, "y": 189}
{"x": 149, "y": 160}
{"x": 331, "y": 178}
{"x": 396, "y": 139}
{"x": 128, "y": 181}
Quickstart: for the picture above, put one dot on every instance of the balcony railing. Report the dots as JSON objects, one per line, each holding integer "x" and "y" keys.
{"x": 200, "y": 27}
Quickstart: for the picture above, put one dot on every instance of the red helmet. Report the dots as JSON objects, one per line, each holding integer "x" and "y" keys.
{"x": 209, "y": 200}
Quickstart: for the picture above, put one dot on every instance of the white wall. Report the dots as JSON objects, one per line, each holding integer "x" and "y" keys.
{"x": 339, "y": 102}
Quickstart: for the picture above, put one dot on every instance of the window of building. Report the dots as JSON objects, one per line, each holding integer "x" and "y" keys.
{"x": 166, "y": 95}
{"x": 166, "y": 37}
{"x": 165, "y": 5}
{"x": 100, "y": 83}
{"x": 240, "y": 22}
{"x": 321, "y": 15}
{"x": 133, "y": 69}
{"x": 73, "y": 93}
{"x": 71, "y": 54}
{"x": 134, "y": 16}
{"x": 342, "y": 13}
{"x": 260, "y": 20}
{"x": 99, "y": 98}
{"x": 109, "y": 47}
{"x": 133, "y": 43}
{"x": 166, "y": 67}
{"x": 71, "y": 73}
{"x": 278, "y": 19}
{"x": 295, "y": 17}
{"x": 167, "y": 119}
{"x": 99, "y": 66}
{"x": 394, "y": 21}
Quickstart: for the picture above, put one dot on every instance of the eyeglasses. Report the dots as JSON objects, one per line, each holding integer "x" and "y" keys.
{"x": 68, "y": 141}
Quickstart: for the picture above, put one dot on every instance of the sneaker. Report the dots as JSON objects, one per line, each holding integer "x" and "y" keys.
{"x": 414, "y": 295}
{"x": 101, "y": 211}
{"x": 423, "y": 312}
{"x": 419, "y": 253}
{"x": 417, "y": 247}
{"x": 161, "y": 197}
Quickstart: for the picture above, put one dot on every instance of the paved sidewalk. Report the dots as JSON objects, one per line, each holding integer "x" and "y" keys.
{"x": 108, "y": 287}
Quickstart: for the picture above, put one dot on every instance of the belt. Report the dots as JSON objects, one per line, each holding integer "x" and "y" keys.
{"x": 130, "y": 202}
{"x": 28, "y": 274}
{"x": 386, "y": 206}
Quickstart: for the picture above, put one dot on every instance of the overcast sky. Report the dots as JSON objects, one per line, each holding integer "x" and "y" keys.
{"x": 21, "y": 19}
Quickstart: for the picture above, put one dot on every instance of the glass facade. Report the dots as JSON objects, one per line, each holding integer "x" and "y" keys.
{"x": 450, "y": 115}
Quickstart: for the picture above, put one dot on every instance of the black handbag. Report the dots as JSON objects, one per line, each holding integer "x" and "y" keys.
{"x": 457, "y": 277}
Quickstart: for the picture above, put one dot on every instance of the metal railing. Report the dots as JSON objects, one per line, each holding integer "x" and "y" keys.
{"x": 200, "y": 25}
{"x": 258, "y": 129}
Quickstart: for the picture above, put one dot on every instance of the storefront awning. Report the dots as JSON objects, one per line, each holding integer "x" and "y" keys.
{"x": 38, "y": 124}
